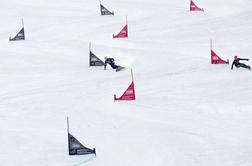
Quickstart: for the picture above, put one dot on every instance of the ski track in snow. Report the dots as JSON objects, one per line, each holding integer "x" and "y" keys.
{"x": 186, "y": 112}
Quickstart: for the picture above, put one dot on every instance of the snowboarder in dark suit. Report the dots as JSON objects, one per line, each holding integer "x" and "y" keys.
{"x": 237, "y": 63}
{"x": 111, "y": 62}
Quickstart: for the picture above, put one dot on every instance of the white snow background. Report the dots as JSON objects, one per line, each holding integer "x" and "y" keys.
{"x": 187, "y": 112}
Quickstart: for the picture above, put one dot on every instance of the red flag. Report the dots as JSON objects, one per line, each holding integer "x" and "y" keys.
{"x": 123, "y": 33}
{"x": 129, "y": 94}
{"x": 194, "y": 7}
{"x": 215, "y": 59}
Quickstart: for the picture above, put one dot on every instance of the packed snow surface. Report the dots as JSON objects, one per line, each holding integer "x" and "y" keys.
{"x": 187, "y": 111}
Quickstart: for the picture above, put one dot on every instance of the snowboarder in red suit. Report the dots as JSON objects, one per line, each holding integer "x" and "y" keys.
{"x": 237, "y": 63}
{"x": 111, "y": 62}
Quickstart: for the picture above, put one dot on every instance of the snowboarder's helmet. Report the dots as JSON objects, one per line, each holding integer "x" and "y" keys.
{"x": 105, "y": 57}
{"x": 235, "y": 57}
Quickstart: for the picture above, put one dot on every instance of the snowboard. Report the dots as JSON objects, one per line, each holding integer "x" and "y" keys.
{"x": 248, "y": 67}
{"x": 119, "y": 68}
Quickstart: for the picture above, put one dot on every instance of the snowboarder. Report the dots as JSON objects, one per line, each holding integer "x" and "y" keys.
{"x": 111, "y": 62}
{"x": 238, "y": 64}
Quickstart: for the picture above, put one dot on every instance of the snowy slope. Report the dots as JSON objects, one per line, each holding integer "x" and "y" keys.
{"x": 187, "y": 111}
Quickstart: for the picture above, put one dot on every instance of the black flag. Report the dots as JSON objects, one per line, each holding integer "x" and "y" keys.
{"x": 19, "y": 36}
{"x": 105, "y": 11}
{"x": 75, "y": 147}
{"x": 94, "y": 60}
